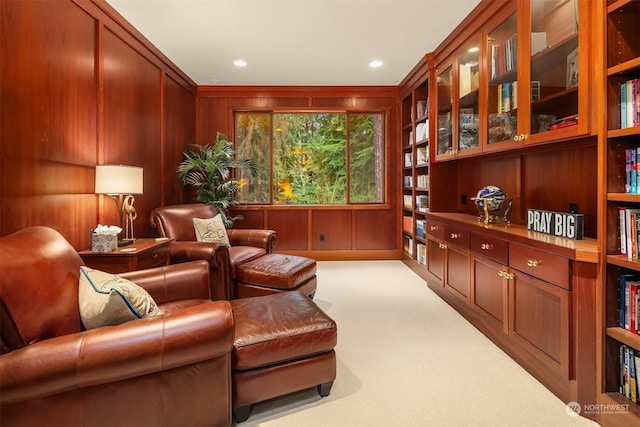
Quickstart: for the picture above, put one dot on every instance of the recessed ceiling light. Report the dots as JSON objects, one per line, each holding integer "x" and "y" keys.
{"x": 375, "y": 64}
{"x": 240, "y": 63}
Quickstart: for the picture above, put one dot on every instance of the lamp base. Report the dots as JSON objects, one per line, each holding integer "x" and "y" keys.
{"x": 125, "y": 242}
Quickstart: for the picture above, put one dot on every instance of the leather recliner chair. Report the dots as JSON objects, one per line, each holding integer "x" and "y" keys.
{"x": 172, "y": 369}
{"x": 176, "y": 222}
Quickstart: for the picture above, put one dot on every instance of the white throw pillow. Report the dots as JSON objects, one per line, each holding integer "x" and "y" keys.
{"x": 211, "y": 230}
{"x": 106, "y": 299}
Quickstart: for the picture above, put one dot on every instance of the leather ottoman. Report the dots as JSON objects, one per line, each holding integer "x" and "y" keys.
{"x": 282, "y": 343}
{"x": 274, "y": 273}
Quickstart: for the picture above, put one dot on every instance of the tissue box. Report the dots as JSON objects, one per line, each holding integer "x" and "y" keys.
{"x": 104, "y": 242}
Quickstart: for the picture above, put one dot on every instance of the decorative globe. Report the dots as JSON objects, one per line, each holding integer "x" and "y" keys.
{"x": 494, "y": 197}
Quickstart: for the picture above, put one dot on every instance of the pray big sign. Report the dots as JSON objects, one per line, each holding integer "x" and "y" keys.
{"x": 560, "y": 224}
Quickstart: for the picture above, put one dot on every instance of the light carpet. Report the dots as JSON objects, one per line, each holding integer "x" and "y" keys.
{"x": 406, "y": 358}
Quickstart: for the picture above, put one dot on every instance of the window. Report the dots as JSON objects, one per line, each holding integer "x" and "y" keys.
{"x": 312, "y": 158}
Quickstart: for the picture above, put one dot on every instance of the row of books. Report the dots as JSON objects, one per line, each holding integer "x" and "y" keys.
{"x": 632, "y": 157}
{"x": 420, "y": 228}
{"x": 421, "y": 132}
{"x": 423, "y": 181}
{"x": 422, "y": 202}
{"x": 422, "y": 156}
{"x": 507, "y": 97}
{"x": 421, "y": 253}
{"x": 407, "y": 245}
{"x": 629, "y": 302}
{"x": 629, "y": 367}
{"x": 629, "y": 219}
{"x": 504, "y": 57}
{"x": 630, "y": 104}
{"x": 407, "y": 224}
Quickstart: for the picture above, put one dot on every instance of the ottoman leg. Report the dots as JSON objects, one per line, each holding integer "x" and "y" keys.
{"x": 242, "y": 413}
{"x": 324, "y": 389}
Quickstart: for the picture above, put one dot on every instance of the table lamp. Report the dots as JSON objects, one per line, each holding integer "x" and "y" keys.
{"x": 120, "y": 182}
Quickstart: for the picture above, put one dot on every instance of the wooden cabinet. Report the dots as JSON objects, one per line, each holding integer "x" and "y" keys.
{"x": 520, "y": 78}
{"x": 620, "y": 137}
{"x": 524, "y": 291}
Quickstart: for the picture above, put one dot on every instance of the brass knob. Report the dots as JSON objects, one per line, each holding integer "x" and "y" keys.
{"x": 433, "y": 227}
{"x": 533, "y": 262}
{"x": 442, "y": 245}
{"x": 455, "y": 235}
{"x": 486, "y": 246}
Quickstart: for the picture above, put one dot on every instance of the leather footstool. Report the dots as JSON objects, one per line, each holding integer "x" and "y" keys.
{"x": 274, "y": 273}
{"x": 282, "y": 343}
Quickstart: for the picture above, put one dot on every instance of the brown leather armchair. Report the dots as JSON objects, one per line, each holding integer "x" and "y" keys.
{"x": 172, "y": 369}
{"x": 246, "y": 244}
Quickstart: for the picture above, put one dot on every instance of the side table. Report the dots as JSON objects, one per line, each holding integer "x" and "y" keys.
{"x": 143, "y": 253}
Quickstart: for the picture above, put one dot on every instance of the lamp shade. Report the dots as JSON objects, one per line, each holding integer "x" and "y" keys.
{"x": 118, "y": 179}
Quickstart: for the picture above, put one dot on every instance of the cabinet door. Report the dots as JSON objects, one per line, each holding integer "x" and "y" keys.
{"x": 502, "y": 130}
{"x": 489, "y": 291}
{"x": 436, "y": 260}
{"x": 457, "y": 272}
{"x": 444, "y": 147}
{"x": 539, "y": 320}
{"x": 467, "y": 136}
{"x": 558, "y": 69}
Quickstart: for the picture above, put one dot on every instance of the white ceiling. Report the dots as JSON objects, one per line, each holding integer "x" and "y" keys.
{"x": 295, "y": 42}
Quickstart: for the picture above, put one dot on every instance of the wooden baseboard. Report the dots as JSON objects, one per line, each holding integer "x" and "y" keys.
{"x": 348, "y": 255}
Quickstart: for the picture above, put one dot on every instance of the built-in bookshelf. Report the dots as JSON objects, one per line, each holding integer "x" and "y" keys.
{"x": 622, "y": 140}
{"x": 416, "y": 130}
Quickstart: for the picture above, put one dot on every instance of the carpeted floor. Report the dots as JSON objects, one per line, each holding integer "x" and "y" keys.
{"x": 405, "y": 358}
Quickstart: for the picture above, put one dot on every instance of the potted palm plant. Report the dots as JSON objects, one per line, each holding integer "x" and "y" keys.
{"x": 211, "y": 170}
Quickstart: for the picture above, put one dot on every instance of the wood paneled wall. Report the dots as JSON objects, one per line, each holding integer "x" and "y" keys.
{"x": 350, "y": 232}
{"x": 79, "y": 87}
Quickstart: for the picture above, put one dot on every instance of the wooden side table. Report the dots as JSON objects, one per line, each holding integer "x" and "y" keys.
{"x": 148, "y": 253}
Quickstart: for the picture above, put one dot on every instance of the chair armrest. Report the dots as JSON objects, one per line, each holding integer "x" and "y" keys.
{"x": 114, "y": 353}
{"x": 219, "y": 262}
{"x": 265, "y": 239}
{"x": 189, "y": 280}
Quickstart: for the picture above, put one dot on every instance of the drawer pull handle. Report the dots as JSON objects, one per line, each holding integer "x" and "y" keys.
{"x": 442, "y": 246}
{"x": 486, "y": 246}
{"x": 506, "y": 275}
{"x": 455, "y": 235}
{"x": 433, "y": 227}
{"x": 533, "y": 262}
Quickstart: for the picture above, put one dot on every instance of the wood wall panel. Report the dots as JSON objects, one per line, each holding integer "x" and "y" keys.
{"x": 292, "y": 228}
{"x": 335, "y": 225}
{"x": 55, "y": 105}
{"x": 375, "y": 230}
{"x": 179, "y": 131}
{"x": 48, "y": 118}
{"x": 132, "y": 119}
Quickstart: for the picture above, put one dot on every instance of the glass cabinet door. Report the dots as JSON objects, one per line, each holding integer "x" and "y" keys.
{"x": 445, "y": 109}
{"x": 468, "y": 100}
{"x": 554, "y": 65}
{"x": 502, "y": 54}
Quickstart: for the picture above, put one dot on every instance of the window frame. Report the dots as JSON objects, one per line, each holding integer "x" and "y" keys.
{"x": 384, "y": 112}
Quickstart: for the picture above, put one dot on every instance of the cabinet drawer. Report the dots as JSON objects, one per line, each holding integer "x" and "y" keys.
{"x": 457, "y": 236}
{"x": 543, "y": 265}
{"x": 153, "y": 258}
{"x": 490, "y": 247}
{"x": 435, "y": 228}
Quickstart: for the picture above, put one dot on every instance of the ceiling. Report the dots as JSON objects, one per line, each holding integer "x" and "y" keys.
{"x": 295, "y": 42}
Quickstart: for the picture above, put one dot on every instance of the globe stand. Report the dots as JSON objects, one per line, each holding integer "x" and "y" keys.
{"x": 501, "y": 213}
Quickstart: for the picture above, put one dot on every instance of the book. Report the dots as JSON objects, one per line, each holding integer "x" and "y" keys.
{"x": 622, "y": 298}
{"x": 632, "y": 375}
{"x": 622, "y": 291}
{"x": 623, "y": 230}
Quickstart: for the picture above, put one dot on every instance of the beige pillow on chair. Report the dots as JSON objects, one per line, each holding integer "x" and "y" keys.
{"x": 211, "y": 230}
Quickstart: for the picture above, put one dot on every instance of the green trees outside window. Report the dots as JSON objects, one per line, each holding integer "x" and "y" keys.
{"x": 312, "y": 158}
